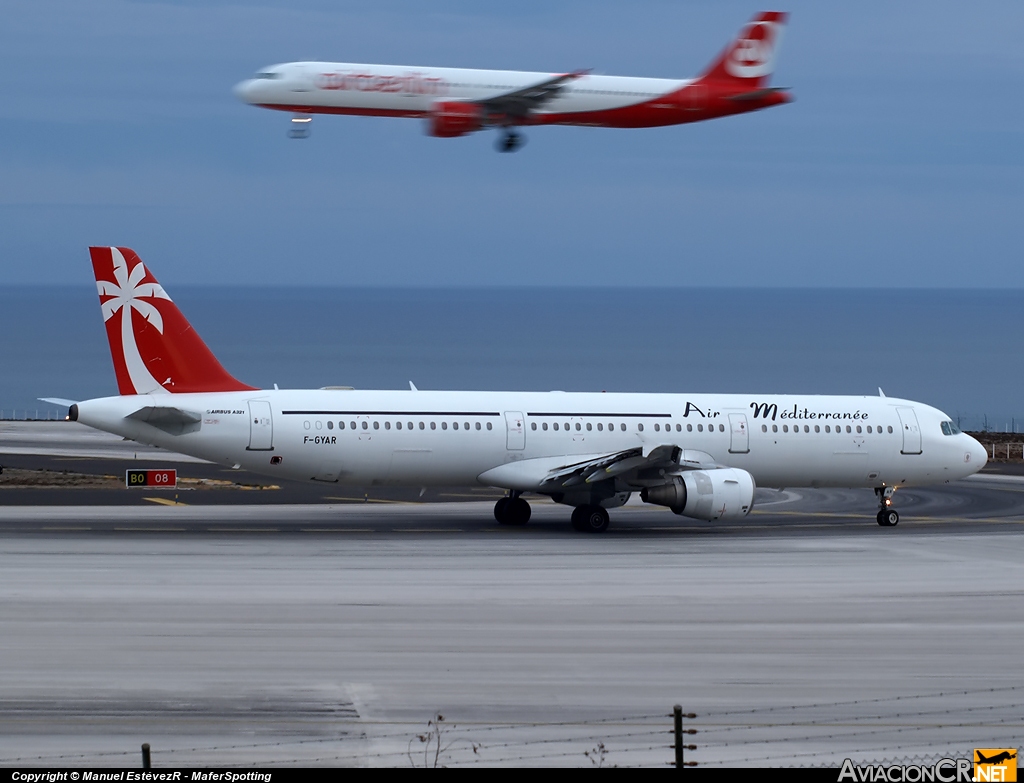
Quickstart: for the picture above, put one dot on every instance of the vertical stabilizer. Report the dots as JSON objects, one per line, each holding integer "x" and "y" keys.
{"x": 154, "y": 348}
{"x": 748, "y": 62}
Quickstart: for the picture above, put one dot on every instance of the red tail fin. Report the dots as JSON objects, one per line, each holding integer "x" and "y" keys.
{"x": 749, "y": 60}
{"x": 155, "y": 350}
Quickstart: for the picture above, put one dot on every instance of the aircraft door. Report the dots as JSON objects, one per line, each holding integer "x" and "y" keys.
{"x": 515, "y": 424}
{"x": 261, "y": 426}
{"x": 739, "y": 436}
{"x": 911, "y": 431}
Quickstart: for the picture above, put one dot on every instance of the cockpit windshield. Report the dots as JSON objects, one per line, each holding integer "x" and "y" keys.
{"x": 268, "y": 75}
{"x": 949, "y": 428}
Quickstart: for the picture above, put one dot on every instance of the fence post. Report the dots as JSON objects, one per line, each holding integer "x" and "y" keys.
{"x": 677, "y": 716}
{"x": 145, "y": 755}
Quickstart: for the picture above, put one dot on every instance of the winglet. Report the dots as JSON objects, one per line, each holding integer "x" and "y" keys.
{"x": 880, "y": 392}
{"x": 412, "y": 386}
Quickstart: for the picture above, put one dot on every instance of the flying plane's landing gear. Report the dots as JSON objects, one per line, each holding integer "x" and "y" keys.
{"x": 887, "y": 515}
{"x": 589, "y": 519}
{"x": 300, "y": 126}
{"x": 510, "y": 141}
{"x": 512, "y": 510}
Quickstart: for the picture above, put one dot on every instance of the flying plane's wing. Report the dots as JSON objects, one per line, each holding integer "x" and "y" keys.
{"x": 519, "y": 104}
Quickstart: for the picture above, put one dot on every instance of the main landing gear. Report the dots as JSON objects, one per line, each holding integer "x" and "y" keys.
{"x": 887, "y": 516}
{"x": 512, "y": 510}
{"x": 590, "y": 519}
{"x": 300, "y": 127}
{"x": 510, "y": 141}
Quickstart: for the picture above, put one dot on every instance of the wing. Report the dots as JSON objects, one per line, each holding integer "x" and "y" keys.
{"x": 519, "y": 104}
{"x": 630, "y": 469}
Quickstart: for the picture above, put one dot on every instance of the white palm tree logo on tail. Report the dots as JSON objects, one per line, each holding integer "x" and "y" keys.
{"x": 125, "y": 293}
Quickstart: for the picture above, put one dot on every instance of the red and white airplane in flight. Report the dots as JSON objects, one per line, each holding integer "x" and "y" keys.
{"x": 700, "y": 455}
{"x": 457, "y": 101}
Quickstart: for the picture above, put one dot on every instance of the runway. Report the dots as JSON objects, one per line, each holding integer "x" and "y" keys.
{"x": 331, "y": 632}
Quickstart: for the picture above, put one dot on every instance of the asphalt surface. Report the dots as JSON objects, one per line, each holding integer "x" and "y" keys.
{"x": 240, "y": 628}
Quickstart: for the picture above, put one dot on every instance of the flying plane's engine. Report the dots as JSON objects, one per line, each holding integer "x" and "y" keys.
{"x": 719, "y": 493}
{"x": 454, "y": 118}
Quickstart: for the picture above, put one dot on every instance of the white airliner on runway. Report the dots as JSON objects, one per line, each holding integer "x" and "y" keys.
{"x": 700, "y": 455}
{"x": 458, "y": 101}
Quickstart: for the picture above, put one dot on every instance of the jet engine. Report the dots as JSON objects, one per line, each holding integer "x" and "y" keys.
{"x": 719, "y": 493}
{"x": 454, "y": 118}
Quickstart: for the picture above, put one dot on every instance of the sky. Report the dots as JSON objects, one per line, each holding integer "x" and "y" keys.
{"x": 899, "y": 164}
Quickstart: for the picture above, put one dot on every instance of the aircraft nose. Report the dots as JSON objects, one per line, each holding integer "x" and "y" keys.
{"x": 976, "y": 456}
{"x": 244, "y": 90}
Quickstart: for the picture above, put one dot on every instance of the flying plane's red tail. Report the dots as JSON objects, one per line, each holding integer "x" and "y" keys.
{"x": 747, "y": 63}
{"x": 154, "y": 348}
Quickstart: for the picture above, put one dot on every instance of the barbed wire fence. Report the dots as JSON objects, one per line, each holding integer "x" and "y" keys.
{"x": 918, "y": 729}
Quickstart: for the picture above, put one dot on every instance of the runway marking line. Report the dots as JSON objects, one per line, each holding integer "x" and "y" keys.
{"x": 65, "y": 528}
{"x": 469, "y": 495}
{"x": 243, "y": 530}
{"x": 166, "y": 501}
{"x": 375, "y": 500}
{"x": 151, "y": 529}
{"x": 336, "y": 529}
{"x": 427, "y": 530}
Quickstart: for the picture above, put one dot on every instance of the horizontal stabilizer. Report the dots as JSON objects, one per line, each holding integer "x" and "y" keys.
{"x": 173, "y": 421}
{"x": 756, "y": 95}
{"x": 59, "y": 401}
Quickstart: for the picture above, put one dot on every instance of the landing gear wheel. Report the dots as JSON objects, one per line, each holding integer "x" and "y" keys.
{"x": 888, "y": 517}
{"x": 512, "y": 511}
{"x": 499, "y": 509}
{"x": 590, "y": 519}
{"x": 510, "y": 142}
{"x": 576, "y": 520}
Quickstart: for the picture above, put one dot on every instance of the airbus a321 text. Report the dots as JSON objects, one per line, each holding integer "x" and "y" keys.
{"x": 700, "y": 455}
{"x": 458, "y": 101}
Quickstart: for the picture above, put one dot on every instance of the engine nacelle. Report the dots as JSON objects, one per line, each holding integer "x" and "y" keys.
{"x": 719, "y": 493}
{"x": 454, "y": 118}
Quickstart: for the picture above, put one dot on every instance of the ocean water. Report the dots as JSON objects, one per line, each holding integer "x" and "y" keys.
{"x": 959, "y": 351}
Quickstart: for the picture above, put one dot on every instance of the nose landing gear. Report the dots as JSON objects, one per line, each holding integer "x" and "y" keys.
{"x": 887, "y": 515}
{"x": 510, "y": 141}
{"x": 300, "y": 126}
